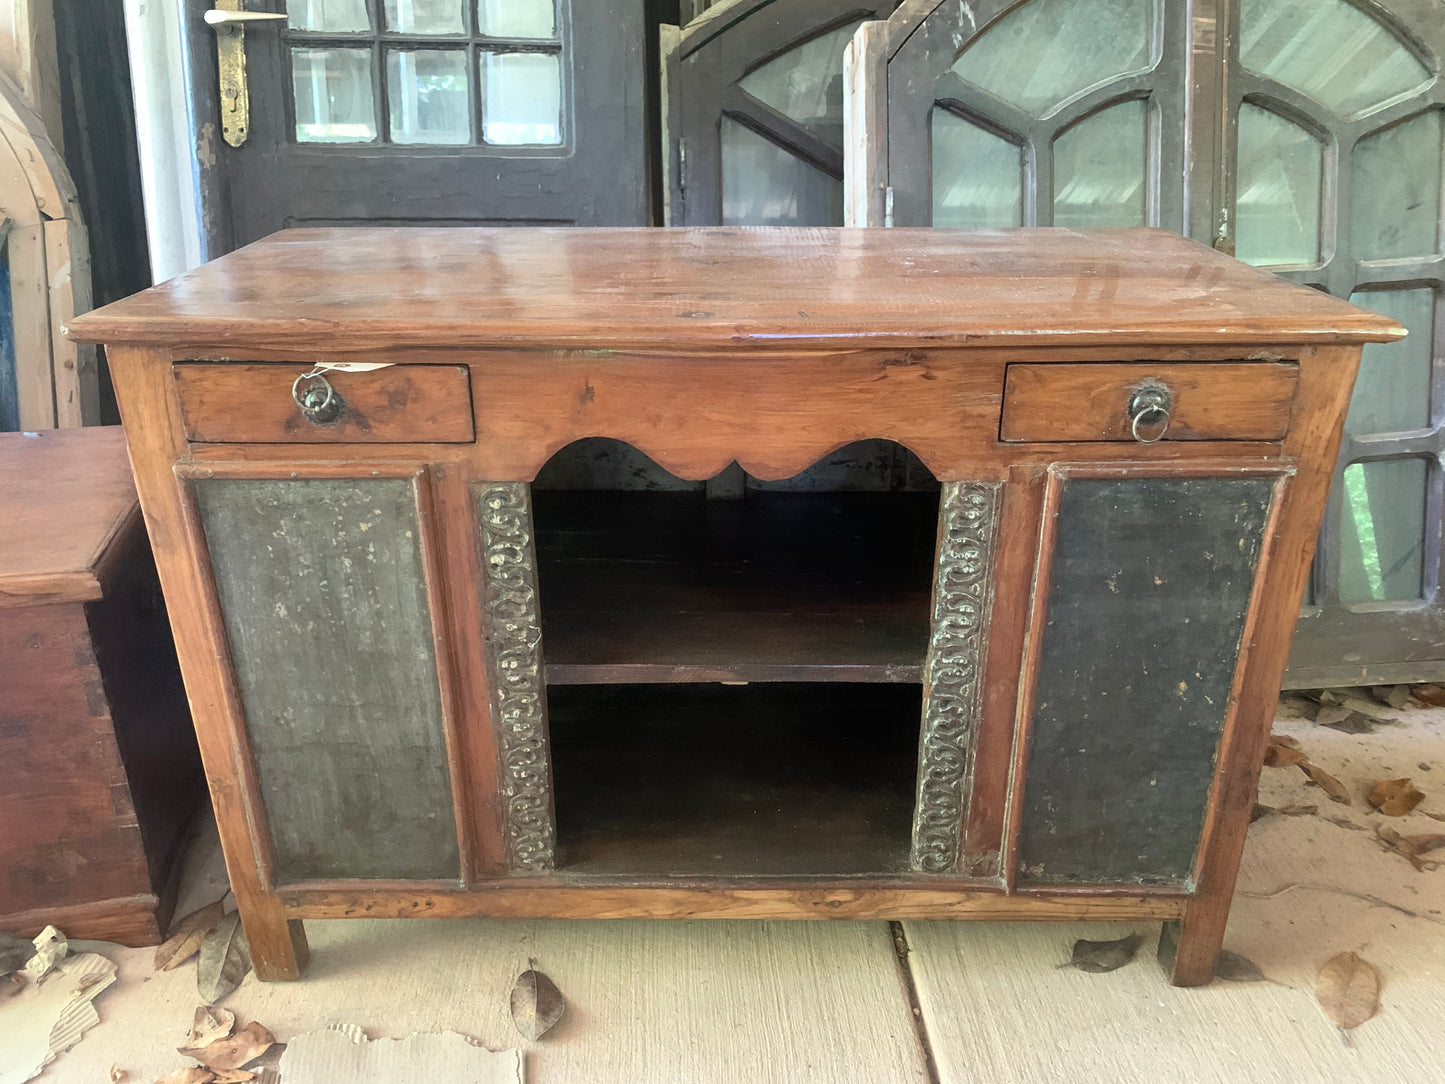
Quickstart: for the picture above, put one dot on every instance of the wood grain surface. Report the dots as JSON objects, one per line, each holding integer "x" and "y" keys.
{"x": 1221, "y": 401}
{"x": 64, "y": 497}
{"x": 324, "y": 290}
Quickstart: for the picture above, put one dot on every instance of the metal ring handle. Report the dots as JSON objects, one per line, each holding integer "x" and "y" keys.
{"x": 319, "y": 413}
{"x": 1151, "y": 404}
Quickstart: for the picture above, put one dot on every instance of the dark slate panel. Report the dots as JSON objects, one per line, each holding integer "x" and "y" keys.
{"x": 1148, "y": 594}
{"x": 322, "y": 587}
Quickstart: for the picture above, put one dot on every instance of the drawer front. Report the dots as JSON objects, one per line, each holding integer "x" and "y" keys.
{"x": 1092, "y": 402}
{"x": 239, "y": 403}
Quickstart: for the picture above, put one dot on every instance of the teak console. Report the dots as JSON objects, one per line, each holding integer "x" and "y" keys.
{"x": 1014, "y": 656}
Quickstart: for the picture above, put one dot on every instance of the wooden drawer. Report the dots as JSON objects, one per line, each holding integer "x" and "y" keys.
{"x": 251, "y": 403}
{"x": 1090, "y": 402}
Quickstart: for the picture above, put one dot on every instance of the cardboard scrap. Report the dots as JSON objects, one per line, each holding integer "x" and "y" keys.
{"x": 50, "y": 1015}
{"x": 344, "y": 1052}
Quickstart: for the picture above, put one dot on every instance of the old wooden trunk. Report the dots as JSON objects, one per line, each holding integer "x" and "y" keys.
{"x": 936, "y": 574}
{"x": 99, "y": 772}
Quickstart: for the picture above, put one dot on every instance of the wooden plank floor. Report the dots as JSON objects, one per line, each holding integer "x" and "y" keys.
{"x": 731, "y": 1001}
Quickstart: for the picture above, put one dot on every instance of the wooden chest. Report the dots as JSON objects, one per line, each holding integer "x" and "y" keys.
{"x": 942, "y": 574}
{"x": 99, "y": 772}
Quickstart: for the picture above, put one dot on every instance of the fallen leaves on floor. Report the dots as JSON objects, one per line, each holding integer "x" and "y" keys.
{"x": 14, "y": 952}
{"x": 1353, "y": 722}
{"x": 1411, "y": 847}
{"x": 225, "y": 959}
{"x": 536, "y": 1004}
{"x": 222, "y": 1049}
{"x": 187, "y": 935}
{"x": 1100, "y": 957}
{"x": 1232, "y": 967}
{"x": 1430, "y": 695}
{"x": 1394, "y": 797}
{"x": 1348, "y": 990}
{"x": 1283, "y": 752}
{"x": 1333, "y": 788}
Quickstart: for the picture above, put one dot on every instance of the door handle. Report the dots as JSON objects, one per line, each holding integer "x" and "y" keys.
{"x": 228, "y": 19}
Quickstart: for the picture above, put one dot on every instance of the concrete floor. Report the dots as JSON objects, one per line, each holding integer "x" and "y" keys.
{"x": 811, "y": 1001}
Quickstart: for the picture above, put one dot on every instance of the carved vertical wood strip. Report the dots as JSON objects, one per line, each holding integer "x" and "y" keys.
{"x": 519, "y": 697}
{"x": 962, "y": 594}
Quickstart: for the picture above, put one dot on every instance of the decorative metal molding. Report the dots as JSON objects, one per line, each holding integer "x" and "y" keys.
{"x": 962, "y": 595}
{"x": 519, "y": 696}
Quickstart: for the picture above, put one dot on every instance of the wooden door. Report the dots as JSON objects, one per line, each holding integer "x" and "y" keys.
{"x": 1051, "y": 112}
{"x": 1332, "y": 177}
{"x": 433, "y": 112}
{"x": 755, "y": 112}
{"x": 1304, "y": 136}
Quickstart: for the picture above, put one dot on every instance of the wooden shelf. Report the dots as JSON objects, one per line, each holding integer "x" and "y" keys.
{"x": 671, "y": 587}
{"x": 707, "y": 780}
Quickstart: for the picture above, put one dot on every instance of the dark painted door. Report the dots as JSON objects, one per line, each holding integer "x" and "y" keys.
{"x": 432, "y": 112}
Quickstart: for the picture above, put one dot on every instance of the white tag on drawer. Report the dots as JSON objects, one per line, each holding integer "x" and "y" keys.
{"x": 353, "y": 366}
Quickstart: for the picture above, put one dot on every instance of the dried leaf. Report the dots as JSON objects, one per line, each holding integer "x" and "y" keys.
{"x": 1321, "y": 696}
{"x": 117, "y": 1075}
{"x": 187, "y": 935}
{"x": 1282, "y": 752}
{"x": 1397, "y": 696}
{"x": 1410, "y": 848}
{"x": 210, "y": 1023}
{"x": 1326, "y": 782}
{"x": 232, "y": 1051}
{"x": 1348, "y": 989}
{"x": 15, "y": 952}
{"x": 225, "y": 959}
{"x": 1432, "y": 695}
{"x": 1434, "y": 816}
{"x": 193, "y": 1075}
{"x": 233, "y": 1076}
{"x": 1282, "y": 810}
{"x": 1098, "y": 957}
{"x": 536, "y": 1004}
{"x": 1345, "y": 822}
{"x": 1233, "y": 967}
{"x": 1394, "y": 797}
{"x": 1355, "y": 722}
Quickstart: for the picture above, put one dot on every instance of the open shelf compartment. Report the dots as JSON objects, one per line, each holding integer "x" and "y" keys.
{"x": 772, "y": 586}
{"x": 764, "y": 780}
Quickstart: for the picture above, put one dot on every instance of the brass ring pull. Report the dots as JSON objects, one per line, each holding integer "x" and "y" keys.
{"x": 317, "y": 401}
{"x": 1150, "y": 408}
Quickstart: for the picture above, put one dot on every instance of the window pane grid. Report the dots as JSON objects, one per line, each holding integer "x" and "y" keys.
{"x": 425, "y": 88}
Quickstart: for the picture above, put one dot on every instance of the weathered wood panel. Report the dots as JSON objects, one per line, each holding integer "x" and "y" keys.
{"x": 325, "y": 605}
{"x": 1148, "y": 591}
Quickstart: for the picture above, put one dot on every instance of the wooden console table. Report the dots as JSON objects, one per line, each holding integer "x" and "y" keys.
{"x": 422, "y": 688}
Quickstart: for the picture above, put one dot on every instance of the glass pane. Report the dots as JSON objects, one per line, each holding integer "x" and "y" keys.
{"x": 1381, "y": 538}
{"x": 329, "y": 15}
{"x": 978, "y": 179}
{"x": 333, "y": 95}
{"x": 1100, "y": 169}
{"x": 1278, "y": 200}
{"x": 765, "y": 185}
{"x": 516, "y": 18}
{"x": 1328, "y": 49}
{"x": 521, "y": 98}
{"x": 1396, "y": 205}
{"x": 428, "y": 94}
{"x": 806, "y": 83}
{"x": 1047, "y": 51}
{"x": 426, "y": 16}
{"x": 1392, "y": 393}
